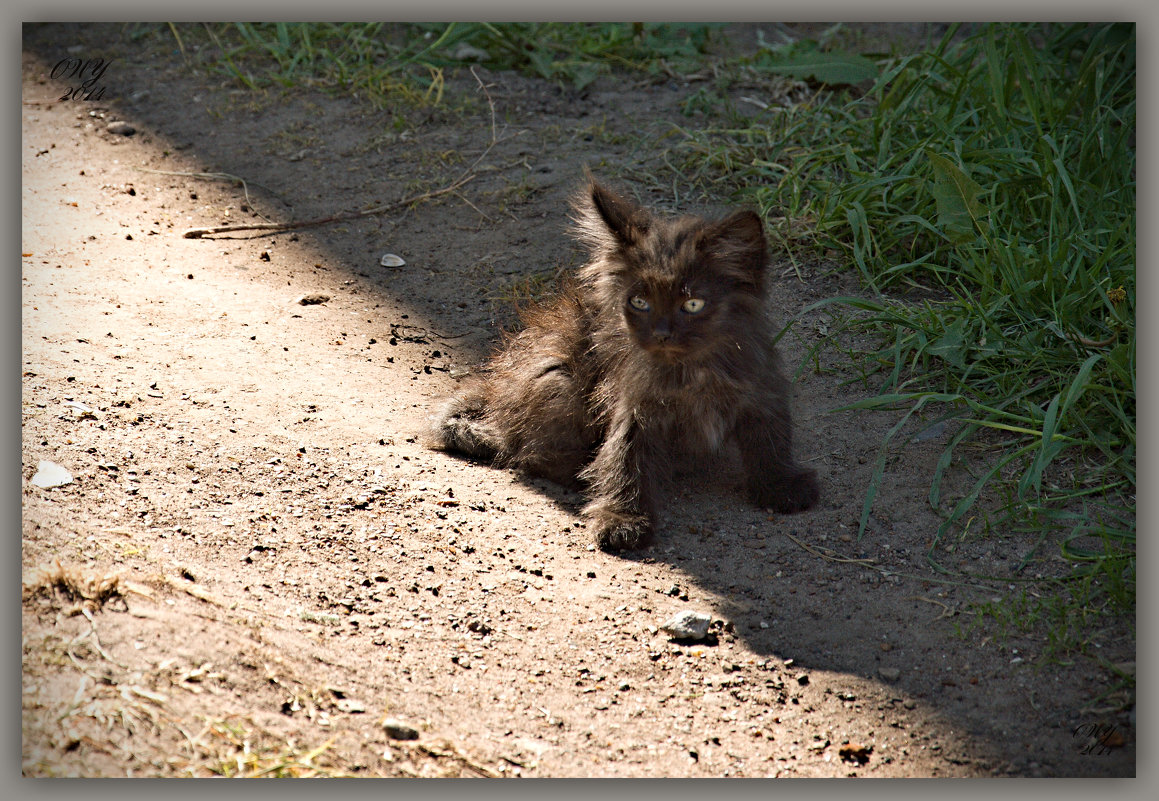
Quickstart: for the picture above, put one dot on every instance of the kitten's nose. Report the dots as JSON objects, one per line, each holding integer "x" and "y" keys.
{"x": 662, "y": 331}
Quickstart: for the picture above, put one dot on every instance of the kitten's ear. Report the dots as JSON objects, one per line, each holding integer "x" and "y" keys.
{"x": 608, "y": 221}
{"x": 738, "y": 242}
{"x": 623, "y": 218}
{"x": 744, "y": 231}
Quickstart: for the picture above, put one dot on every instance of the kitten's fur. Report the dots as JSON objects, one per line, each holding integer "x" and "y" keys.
{"x": 659, "y": 347}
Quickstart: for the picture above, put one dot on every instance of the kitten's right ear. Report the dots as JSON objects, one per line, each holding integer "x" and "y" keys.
{"x": 627, "y": 221}
{"x": 608, "y": 221}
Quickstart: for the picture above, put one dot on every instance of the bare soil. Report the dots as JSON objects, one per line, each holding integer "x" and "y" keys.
{"x": 257, "y": 564}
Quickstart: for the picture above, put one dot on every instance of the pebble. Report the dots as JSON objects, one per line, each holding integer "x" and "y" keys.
{"x": 312, "y": 300}
{"x": 397, "y": 730}
{"x": 687, "y": 625}
{"x": 468, "y": 52}
{"x": 120, "y": 127}
{"x": 50, "y": 474}
{"x": 889, "y": 674}
{"x": 391, "y": 260}
{"x": 936, "y": 431}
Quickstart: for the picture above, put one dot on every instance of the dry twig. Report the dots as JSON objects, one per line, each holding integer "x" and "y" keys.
{"x": 452, "y": 188}
{"x": 198, "y": 233}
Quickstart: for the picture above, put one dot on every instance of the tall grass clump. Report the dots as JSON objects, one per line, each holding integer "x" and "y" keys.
{"x": 993, "y": 176}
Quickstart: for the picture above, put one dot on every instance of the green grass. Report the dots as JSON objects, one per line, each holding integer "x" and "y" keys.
{"x": 390, "y": 62}
{"x": 994, "y": 177}
{"x": 1066, "y": 617}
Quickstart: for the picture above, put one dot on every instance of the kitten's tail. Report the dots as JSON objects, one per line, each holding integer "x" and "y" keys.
{"x": 460, "y": 426}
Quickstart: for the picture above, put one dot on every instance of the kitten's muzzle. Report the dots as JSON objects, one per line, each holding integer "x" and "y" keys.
{"x": 664, "y": 351}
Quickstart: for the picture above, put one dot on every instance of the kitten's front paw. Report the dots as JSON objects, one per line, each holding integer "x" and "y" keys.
{"x": 787, "y": 494}
{"x": 620, "y": 533}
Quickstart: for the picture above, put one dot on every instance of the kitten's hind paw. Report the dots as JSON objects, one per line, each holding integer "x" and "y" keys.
{"x": 458, "y": 427}
{"x": 787, "y": 494}
{"x": 623, "y": 533}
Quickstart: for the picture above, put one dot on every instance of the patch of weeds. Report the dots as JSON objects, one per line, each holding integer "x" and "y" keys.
{"x": 230, "y": 749}
{"x": 717, "y": 104}
{"x": 995, "y": 175}
{"x": 293, "y": 139}
{"x": 382, "y": 63}
{"x": 399, "y": 131}
{"x": 600, "y": 132}
{"x": 1068, "y": 615}
{"x": 834, "y": 336}
{"x": 812, "y": 60}
{"x": 578, "y": 53}
{"x": 70, "y": 583}
{"x": 389, "y": 64}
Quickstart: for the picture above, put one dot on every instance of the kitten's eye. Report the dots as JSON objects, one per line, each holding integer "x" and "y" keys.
{"x": 693, "y": 305}
{"x": 638, "y": 303}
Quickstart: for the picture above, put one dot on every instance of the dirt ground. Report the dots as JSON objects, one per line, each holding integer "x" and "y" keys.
{"x": 257, "y": 567}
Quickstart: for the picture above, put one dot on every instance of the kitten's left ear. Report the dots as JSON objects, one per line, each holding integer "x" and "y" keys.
{"x": 739, "y": 241}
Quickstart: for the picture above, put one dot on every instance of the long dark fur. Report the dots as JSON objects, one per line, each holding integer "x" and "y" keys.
{"x": 598, "y": 391}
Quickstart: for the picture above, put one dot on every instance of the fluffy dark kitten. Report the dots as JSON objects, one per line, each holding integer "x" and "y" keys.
{"x": 659, "y": 348}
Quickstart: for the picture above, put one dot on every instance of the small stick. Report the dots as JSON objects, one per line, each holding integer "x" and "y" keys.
{"x": 830, "y": 555}
{"x": 197, "y": 233}
{"x": 948, "y": 611}
{"x": 468, "y": 175}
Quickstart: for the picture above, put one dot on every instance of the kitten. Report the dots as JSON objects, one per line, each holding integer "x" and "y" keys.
{"x": 659, "y": 347}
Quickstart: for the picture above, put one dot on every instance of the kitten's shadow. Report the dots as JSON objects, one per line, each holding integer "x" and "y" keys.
{"x": 719, "y": 476}
{"x": 569, "y": 499}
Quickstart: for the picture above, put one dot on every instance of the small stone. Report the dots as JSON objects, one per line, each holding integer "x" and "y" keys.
{"x": 50, "y": 474}
{"x": 397, "y": 730}
{"x": 312, "y": 300}
{"x": 933, "y": 432}
{"x": 889, "y": 674}
{"x": 350, "y": 706}
{"x": 802, "y": 679}
{"x": 120, "y": 128}
{"x": 687, "y": 625}
{"x": 910, "y": 703}
{"x": 391, "y": 260}
{"x": 468, "y": 52}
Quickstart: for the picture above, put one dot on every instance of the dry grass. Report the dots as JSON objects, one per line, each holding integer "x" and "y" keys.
{"x": 70, "y": 584}
{"x": 98, "y": 710}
